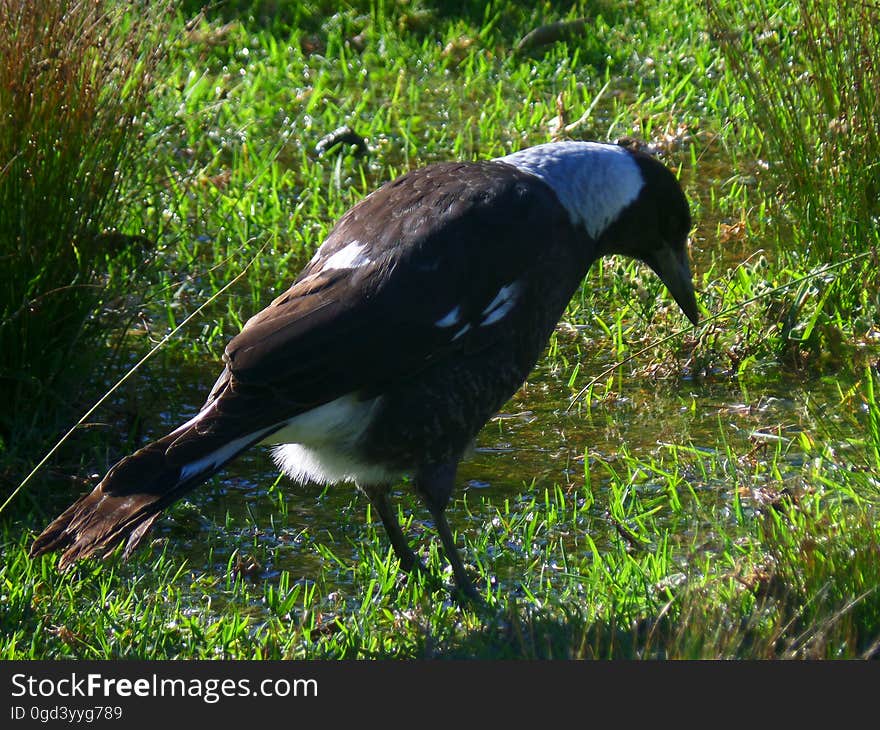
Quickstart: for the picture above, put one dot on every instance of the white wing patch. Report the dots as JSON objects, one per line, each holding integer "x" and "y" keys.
{"x": 450, "y": 320}
{"x": 221, "y": 455}
{"x": 503, "y": 302}
{"x": 350, "y": 256}
{"x": 461, "y": 332}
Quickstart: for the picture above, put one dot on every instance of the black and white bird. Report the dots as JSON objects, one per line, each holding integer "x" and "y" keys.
{"x": 420, "y": 315}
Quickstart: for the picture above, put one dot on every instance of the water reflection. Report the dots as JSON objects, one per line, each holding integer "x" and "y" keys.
{"x": 536, "y": 444}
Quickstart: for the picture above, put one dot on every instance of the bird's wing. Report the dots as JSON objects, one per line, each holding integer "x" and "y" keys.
{"x": 421, "y": 269}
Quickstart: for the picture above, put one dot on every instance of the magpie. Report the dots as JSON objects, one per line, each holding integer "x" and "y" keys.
{"x": 419, "y": 316}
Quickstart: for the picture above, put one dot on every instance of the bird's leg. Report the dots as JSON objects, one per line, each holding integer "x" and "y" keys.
{"x": 435, "y": 488}
{"x": 379, "y": 499}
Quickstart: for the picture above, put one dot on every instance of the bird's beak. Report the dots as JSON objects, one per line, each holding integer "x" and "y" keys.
{"x": 675, "y": 272}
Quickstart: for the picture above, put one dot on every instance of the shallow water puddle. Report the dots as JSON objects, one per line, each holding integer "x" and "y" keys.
{"x": 597, "y": 461}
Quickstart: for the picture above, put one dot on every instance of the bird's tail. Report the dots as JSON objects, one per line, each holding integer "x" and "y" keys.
{"x": 136, "y": 490}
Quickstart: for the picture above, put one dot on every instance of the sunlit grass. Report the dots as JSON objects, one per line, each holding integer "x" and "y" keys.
{"x": 664, "y": 543}
{"x": 683, "y": 553}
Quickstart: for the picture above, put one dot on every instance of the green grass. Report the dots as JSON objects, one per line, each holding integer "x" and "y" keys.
{"x": 681, "y": 553}
{"x": 811, "y": 79}
{"x": 710, "y": 497}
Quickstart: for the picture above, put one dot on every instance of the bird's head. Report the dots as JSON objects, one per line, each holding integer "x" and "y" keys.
{"x": 628, "y": 202}
{"x": 654, "y": 228}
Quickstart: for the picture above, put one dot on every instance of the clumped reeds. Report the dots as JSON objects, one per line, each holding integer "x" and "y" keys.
{"x": 809, "y": 72}
{"x": 808, "y": 75}
{"x": 75, "y": 77}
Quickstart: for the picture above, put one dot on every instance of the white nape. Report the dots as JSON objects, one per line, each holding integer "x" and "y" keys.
{"x": 349, "y": 257}
{"x": 593, "y": 181}
{"x": 320, "y": 445}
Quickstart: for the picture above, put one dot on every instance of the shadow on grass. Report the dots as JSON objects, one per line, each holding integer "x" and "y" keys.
{"x": 520, "y": 632}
